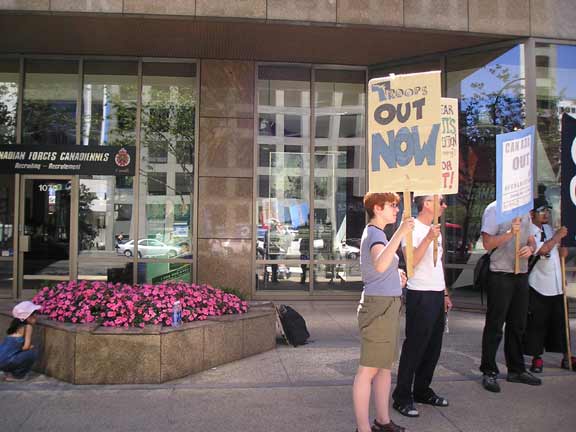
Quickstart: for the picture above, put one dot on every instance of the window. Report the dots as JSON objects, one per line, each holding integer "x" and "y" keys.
{"x": 49, "y": 106}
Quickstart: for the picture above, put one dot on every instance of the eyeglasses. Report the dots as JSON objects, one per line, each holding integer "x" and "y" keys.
{"x": 441, "y": 202}
{"x": 393, "y": 205}
{"x": 542, "y": 210}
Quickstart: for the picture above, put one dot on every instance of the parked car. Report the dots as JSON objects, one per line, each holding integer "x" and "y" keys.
{"x": 348, "y": 251}
{"x": 149, "y": 248}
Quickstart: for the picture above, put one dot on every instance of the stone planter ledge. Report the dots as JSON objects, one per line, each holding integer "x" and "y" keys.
{"x": 92, "y": 354}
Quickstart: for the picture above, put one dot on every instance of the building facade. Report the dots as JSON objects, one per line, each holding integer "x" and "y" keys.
{"x": 245, "y": 124}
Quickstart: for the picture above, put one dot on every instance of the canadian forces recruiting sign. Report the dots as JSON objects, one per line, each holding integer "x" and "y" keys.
{"x": 404, "y": 151}
{"x": 101, "y": 160}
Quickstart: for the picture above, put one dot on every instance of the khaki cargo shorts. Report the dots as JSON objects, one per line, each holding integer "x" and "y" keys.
{"x": 378, "y": 320}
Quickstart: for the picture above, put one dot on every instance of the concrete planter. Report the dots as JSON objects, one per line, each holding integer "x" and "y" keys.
{"x": 91, "y": 354}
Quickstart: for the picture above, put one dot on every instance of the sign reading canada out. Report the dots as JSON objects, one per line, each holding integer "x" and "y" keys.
{"x": 102, "y": 160}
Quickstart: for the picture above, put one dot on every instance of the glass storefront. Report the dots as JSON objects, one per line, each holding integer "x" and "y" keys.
{"x": 310, "y": 164}
{"x": 100, "y": 227}
{"x": 490, "y": 87}
{"x": 309, "y": 209}
{"x": 555, "y": 97}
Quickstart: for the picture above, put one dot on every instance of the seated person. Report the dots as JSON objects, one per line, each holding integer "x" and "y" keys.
{"x": 16, "y": 351}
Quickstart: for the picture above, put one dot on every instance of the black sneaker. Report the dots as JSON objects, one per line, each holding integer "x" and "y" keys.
{"x": 523, "y": 378}
{"x": 490, "y": 383}
{"x": 388, "y": 427}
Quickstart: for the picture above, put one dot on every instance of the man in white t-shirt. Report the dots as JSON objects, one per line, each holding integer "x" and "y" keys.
{"x": 426, "y": 303}
{"x": 546, "y": 328}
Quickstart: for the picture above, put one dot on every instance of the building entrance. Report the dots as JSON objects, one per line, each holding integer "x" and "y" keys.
{"x": 45, "y": 232}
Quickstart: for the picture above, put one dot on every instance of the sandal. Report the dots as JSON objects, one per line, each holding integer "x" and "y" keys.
{"x": 389, "y": 427}
{"x": 407, "y": 410}
{"x": 433, "y": 400}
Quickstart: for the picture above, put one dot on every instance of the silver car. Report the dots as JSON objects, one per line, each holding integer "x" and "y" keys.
{"x": 149, "y": 248}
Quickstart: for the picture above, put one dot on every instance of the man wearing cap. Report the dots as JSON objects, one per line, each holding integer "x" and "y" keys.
{"x": 546, "y": 328}
{"x": 507, "y": 297}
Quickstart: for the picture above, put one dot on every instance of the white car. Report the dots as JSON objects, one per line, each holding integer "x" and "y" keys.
{"x": 349, "y": 252}
{"x": 149, "y": 248}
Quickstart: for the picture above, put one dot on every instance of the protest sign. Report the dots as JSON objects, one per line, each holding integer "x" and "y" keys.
{"x": 449, "y": 145}
{"x": 404, "y": 138}
{"x": 404, "y": 133}
{"x": 514, "y": 168}
{"x": 568, "y": 182}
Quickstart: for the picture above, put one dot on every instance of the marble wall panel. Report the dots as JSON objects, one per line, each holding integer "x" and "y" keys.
{"x": 224, "y": 208}
{"x": 227, "y": 8}
{"x": 117, "y": 358}
{"x": 222, "y": 343}
{"x": 436, "y": 14}
{"x": 38, "y": 5}
{"x": 227, "y": 89}
{"x": 371, "y": 12}
{"x": 173, "y": 7}
{"x": 553, "y": 18}
{"x": 59, "y": 347}
{"x": 259, "y": 332}
{"x": 500, "y": 16}
{"x": 182, "y": 351}
{"x": 226, "y": 263}
{"x": 226, "y": 147}
{"x": 104, "y": 6}
{"x": 302, "y": 10}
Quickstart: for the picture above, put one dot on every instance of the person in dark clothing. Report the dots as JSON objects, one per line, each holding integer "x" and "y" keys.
{"x": 427, "y": 301}
{"x": 507, "y": 296}
{"x": 546, "y": 327}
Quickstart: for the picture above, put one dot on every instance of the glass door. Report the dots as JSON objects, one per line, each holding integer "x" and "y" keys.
{"x": 44, "y": 246}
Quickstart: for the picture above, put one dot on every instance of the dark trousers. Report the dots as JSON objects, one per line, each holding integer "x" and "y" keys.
{"x": 507, "y": 303}
{"x": 421, "y": 348}
{"x": 20, "y": 363}
{"x": 546, "y": 328}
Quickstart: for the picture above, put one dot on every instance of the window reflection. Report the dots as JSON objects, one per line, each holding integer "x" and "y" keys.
{"x": 105, "y": 219}
{"x": 283, "y": 172}
{"x": 167, "y": 157}
{"x": 8, "y": 100}
{"x": 339, "y": 170}
{"x": 49, "y": 107}
{"x": 555, "y": 97}
{"x": 109, "y": 103}
{"x": 490, "y": 87}
{"x": 6, "y": 215}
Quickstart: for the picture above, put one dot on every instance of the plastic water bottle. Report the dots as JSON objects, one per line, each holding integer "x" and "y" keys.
{"x": 176, "y": 314}
{"x": 446, "y": 328}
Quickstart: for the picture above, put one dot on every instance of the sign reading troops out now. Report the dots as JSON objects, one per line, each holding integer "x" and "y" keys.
{"x": 404, "y": 129}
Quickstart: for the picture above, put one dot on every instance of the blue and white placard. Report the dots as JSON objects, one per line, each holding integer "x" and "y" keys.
{"x": 514, "y": 173}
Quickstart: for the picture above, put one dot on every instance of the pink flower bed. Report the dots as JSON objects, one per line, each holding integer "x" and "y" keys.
{"x": 120, "y": 305}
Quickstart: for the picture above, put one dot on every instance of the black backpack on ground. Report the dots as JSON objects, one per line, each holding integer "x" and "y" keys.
{"x": 481, "y": 273}
{"x": 293, "y": 325}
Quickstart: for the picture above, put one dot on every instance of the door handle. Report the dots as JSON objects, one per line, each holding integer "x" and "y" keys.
{"x": 24, "y": 243}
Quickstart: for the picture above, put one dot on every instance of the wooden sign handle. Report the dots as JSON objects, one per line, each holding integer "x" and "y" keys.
{"x": 409, "y": 244}
{"x": 566, "y": 315}
{"x": 435, "y": 222}
{"x": 517, "y": 249}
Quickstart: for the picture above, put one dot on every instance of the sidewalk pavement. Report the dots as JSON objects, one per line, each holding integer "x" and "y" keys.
{"x": 298, "y": 389}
